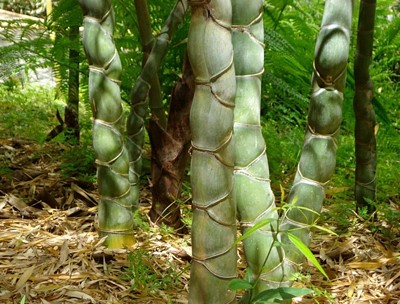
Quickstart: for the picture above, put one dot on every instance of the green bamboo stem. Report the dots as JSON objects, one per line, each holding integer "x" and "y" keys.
{"x": 253, "y": 194}
{"x": 318, "y": 157}
{"x": 116, "y": 198}
{"x": 147, "y": 41}
{"x": 365, "y": 142}
{"x": 140, "y": 91}
{"x": 214, "y": 217}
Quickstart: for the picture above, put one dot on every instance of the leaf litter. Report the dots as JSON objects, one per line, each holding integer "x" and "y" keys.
{"x": 50, "y": 251}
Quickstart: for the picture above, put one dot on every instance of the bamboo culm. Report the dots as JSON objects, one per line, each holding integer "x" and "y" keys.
{"x": 211, "y": 121}
{"x": 116, "y": 197}
{"x": 364, "y": 133}
{"x": 253, "y": 194}
{"x": 318, "y": 156}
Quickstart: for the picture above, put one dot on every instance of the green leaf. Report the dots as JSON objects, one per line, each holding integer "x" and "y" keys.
{"x": 281, "y": 293}
{"x": 250, "y": 231}
{"x": 380, "y": 110}
{"x": 324, "y": 229}
{"x": 307, "y": 253}
{"x": 305, "y": 208}
{"x": 237, "y": 284}
{"x": 282, "y": 192}
{"x": 22, "y": 300}
{"x": 249, "y": 275}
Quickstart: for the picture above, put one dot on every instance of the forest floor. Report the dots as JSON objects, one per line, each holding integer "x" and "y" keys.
{"x": 50, "y": 251}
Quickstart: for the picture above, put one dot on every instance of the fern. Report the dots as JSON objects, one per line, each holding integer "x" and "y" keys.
{"x": 289, "y": 38}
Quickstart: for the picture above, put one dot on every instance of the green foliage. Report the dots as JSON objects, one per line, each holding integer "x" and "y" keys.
{"x": 290, "y": 32}
{"x": 79, "y": 162}
{"x": 27, "y": 112}
{"x": 23, "y": 300}
{"x": 319, "y": 295}
{"x": 284, "y": 144}
{"x": 291, "y": 28}
{"x": 276, "y": 295}
{"x": 146, "y": 277}
{"x": 340, "y": 199}
{"x": 273, "y": 295}
{"x": 387, "y": 40}
{"x": 280, "y": 294}
{"x": 24, "y": 41}
{"x": 127, "y": 42}
{"x": 65, "y": 16}
{"x": 306, "y": 252}
{"x": 43, "y": 43}
{"x": 30, "y": 7}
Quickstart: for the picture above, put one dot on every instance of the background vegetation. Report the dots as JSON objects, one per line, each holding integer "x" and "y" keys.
{"x": 28, "y": 111}
{"x": 291, "y": 28}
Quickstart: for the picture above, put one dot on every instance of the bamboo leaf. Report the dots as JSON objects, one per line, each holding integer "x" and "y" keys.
{"x": 237, "y": 284}
{"x": 24, "y": 278}
{"x": 249, "y": 275}
{"x": 325, "y": 229}
{"x": 282, "y": 193}
{"x": 306, "y": 209}
{"x": 257, "y": 226}
{"x": 22, "y": 300}
{"x": 281, "y": 293}
{"x": 307, "y": 253}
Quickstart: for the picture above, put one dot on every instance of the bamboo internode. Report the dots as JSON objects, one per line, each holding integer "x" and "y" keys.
{"x": 214, "y": 216}
{"x": 117, "y": 197}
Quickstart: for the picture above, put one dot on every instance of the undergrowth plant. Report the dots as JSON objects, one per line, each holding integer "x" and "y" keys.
{"x": 248, "y": 283}
{"x": 79, "y": 162}
{"x": 27, "y": 112}
{"x": 319, "y": 294}
{"x": 147, "y": 277}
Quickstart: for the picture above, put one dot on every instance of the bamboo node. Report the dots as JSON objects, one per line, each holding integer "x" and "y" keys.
{"x": 120, "y": 232}
{"x": 113, "y": 199}
{"x": 332, "y": 136}
{"x": 110, "y": 124}
{"x": 329, "y": 80}
{"x": 365, "y": 185}
{"x": 219, "y": 276}
{"x": 214, "y": 202}
{"x": 311, "y": 181}
{"x": 260, "y": 216}
{"x": 101, "y": 70}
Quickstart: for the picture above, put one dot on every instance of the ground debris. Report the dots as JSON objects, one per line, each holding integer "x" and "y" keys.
{"x": 50, "y": 251}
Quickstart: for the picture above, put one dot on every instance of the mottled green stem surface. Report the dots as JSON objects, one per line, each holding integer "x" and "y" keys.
{"x": 211, "y": 119}
{"x": 365, "y": 142}
{"x": 116, "y": 198}
{"x": 318, "y": 156}
{"x": 253, "y": 194}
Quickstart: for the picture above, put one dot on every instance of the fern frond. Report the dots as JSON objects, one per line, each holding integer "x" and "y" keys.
{"x": 285, "y": 90}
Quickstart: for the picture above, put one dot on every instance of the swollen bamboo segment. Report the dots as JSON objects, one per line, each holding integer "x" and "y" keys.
{"x": 253, "y": 194}
{"x": 115, "y": 207}
{"x": 365, "y": 142}
{"x": 318, "y": 157}
{"x": 214, "y": 216}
